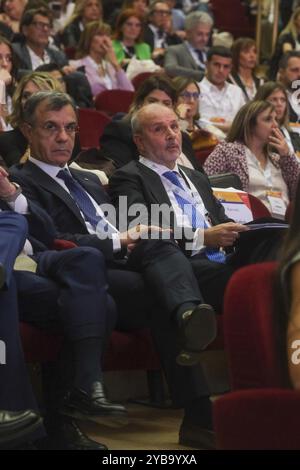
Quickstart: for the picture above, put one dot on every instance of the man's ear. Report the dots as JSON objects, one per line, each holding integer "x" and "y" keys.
{"x": 26, "y": 130}
{"x": 138, "y": 140}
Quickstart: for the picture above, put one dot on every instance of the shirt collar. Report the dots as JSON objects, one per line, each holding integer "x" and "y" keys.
{"x": 213, "y": 87}
{"x": 157, "y": 167}
{"x": 51, "y": 170}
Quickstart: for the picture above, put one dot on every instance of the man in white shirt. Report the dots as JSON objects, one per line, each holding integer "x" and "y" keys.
{"x": 220, "y": 100}
{"x": 189, "y": 59}
{"x": 289, "y": 76}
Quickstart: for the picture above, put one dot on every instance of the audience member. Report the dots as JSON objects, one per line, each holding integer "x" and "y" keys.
{"x": 275, "y": 93}
{"x": 258, "y": 153}
{"x": 13, "y": 144}
{"x": 288, "y": 40}
{"x": 128, "y": 38}
{"x": 85, "y": 11}
{"x": 158, "y": 33}
{"x": 187, "y": 109}
{"x": 55, "y": 297}
{"x": 34, "y": 50}
{"x": 8, "y": 72}
{"x": 117, "y": 142}
{"x": 178, "y": 311}
{"x": 289, "y": 75}
{"x": 189, "y": 59}
{"x": 96, "y": 54}
{"x": 12, "y": 13}
{"x": 220, "y": 100}
{"x": 244, "y": 62}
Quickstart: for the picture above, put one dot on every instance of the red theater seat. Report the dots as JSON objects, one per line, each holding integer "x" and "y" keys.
{"x": 260, "y": 413}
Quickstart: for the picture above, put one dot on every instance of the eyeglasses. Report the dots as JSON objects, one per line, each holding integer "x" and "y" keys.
{"x": 187, "y": 95}
{"x": 50, "y": 129}
{"x": 133, "y": 25}
{"x": 162, "y": 12}
{"x": 41, "y": 25}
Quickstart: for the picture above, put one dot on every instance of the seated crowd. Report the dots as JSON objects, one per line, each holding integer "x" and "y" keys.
{"x": 196, "y": 96}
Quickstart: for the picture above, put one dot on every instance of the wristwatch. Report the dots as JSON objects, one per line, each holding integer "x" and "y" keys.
{"x": 12, "y": 197}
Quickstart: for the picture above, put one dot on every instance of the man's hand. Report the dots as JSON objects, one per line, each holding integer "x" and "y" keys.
{"x": 141, "y": 232}
{"x": 6, "y": 187}
{"x": 67, "y": 69}
{"x": 223, "y": 234}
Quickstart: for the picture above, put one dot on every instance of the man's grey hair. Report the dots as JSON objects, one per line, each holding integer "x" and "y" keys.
{"x": 193, "y": 19}
{"x": 136, "y": 125}
{"x": 55, "y": 102}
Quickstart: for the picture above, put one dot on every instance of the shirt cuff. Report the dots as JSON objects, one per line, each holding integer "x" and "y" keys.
{"x": 20, "y": 205}
{"x": 116, "y": 242}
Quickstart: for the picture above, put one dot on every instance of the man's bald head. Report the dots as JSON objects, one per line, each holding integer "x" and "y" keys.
{"x": 156, "y": 133}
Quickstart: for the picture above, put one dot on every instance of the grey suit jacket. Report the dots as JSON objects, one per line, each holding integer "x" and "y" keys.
{"x": 179, "y": 62}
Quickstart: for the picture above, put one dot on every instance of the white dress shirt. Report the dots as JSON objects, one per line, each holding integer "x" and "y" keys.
{"x": 181, "y": 218}
{"x": 52, "y": 171}
{"x": 195, "y": 55}
{"x": 36, "y": 60}
{"x": 223, "y": 103}
{"x": 159, "y": 42}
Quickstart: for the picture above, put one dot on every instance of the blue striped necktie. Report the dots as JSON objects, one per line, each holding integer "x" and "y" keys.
{"x": 81, "y": 198}
{"x": 196, "y": 219}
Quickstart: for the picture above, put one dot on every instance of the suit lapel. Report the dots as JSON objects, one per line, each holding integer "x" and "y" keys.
{"x": 51, "y": 186}
{"x": 154, "y": 185}
{"x": 192, "y": 60}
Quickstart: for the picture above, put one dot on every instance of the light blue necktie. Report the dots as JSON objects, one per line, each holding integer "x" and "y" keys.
{"x": 196, "y": 219}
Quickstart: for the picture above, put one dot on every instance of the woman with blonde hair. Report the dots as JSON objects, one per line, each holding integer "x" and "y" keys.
{"x": 96, "y": 54}
{"x": 84, "y": 12}
{"x": 255, "y": 150}
{"x": 288, "y": 40}
{"x": 13, "y": 144}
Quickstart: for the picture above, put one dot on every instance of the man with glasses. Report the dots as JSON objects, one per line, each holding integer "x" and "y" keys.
{"x": 181, "y": 323}
{"x": 36, "y": 51}
{"x": 36, "y": 25}
{"x": 189, "y": 59}
{"x": 158, "y": 32}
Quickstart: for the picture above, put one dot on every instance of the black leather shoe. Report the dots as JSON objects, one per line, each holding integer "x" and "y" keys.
{"x": 2, "y": 276}
{"x": 70, "y": 437}
{"x": 94, "y": 406}
{"x": 193, "y": 435}
{"x": 199, "y": 328}
{"x": 16, "y": 427}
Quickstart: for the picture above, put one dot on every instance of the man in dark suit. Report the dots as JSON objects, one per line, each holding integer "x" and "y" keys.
{"x": 189, "y": 59}
{"x": 34, "y": 50}
{"x": 146, "y": 182}
{"x": 74, "y": 200}
{"x": 67, "y": 293}
{"x": 16, "y": 426}
{"x": 157, "y": 32}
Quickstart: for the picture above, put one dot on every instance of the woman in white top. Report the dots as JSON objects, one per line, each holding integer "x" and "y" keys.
{"x": 275, "y": 93}
{"x": 96, "y": 54}
{"x": 256, "y": 150}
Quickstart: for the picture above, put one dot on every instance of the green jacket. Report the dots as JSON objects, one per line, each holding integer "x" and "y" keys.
{"x": 142, "y": 50}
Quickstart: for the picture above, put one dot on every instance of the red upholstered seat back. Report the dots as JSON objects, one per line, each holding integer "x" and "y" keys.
{"x": 114, "y": 101}
{"x": 91, "y": 127}
{"x": 140, "y": 78}
{"x": 248, "y": 328}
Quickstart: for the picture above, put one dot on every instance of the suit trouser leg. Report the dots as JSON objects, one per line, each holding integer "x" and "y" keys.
{"x": 15, "y": 388}
{"x": 169, "y": 276}
{"x": 13, "y": 232}
{"x": 167, "y": 272}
